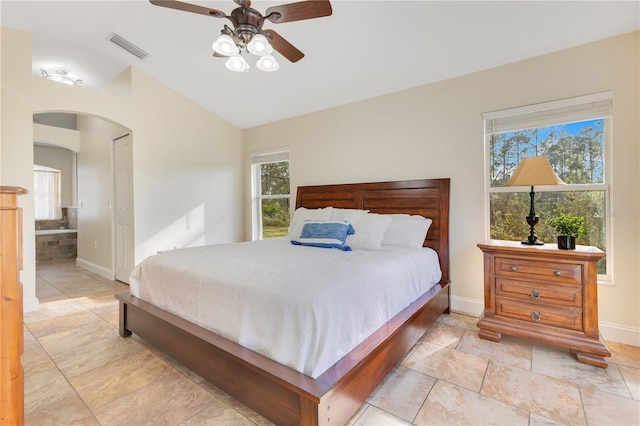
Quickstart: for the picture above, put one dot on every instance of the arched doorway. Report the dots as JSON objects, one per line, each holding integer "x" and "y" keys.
{"x": 100, "y": 248}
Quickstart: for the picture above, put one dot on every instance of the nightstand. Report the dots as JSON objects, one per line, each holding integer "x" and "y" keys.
{"x": 544, "y": 294}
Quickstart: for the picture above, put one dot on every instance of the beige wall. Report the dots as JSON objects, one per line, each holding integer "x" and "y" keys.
{"x": 187, "y": 162}
{"x": 437, "y": 130}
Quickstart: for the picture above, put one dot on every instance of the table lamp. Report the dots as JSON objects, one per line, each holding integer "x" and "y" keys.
{"x": 534, "y": 171}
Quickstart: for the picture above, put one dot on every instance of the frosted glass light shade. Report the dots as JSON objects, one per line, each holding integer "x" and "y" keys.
{"x": 259, "y": 45}
{"x": 237, "y": 63}
{"x": 225, "y": 45}
{"x": 267, "y": 63}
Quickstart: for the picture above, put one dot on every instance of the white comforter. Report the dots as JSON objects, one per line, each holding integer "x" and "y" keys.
{"x": 304, "y": 307}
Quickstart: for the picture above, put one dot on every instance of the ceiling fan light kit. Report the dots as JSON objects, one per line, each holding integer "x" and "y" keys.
{"x": 237, "y": 63}
{"x": 267, "y": 63}
{"x": 247, "y": 33}
{"x": 225, "y": 45}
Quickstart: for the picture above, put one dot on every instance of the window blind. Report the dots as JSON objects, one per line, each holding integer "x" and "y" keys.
{"x": 269, "y": 156}
{"x": 547, "y": 114}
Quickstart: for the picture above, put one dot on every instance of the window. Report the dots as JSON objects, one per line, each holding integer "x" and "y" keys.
{"x": 573, "y": 134}
{"x": 46, "y": 193}
{"x": 270, "y": 178}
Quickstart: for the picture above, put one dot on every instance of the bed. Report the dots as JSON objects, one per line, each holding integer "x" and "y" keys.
{"x": 278, "y": 392}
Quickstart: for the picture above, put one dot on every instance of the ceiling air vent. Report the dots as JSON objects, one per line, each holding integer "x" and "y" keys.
{"x": 128, "y": 46}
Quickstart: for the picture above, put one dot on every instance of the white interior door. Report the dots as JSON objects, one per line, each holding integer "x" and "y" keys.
{"x": 123, "y": 208}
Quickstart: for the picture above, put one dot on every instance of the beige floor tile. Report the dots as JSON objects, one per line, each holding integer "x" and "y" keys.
{"x": 105, "y": 384}
{"x": 449, "y": 404}
{"x": 80, "y": 336}
{"x": 52, "y": 310}
{"x": 63, "y": 323}
{"x": 83, "y": 288}
{"x": 452, "y": 366}
{"x": 45, "y": 290}
{"x": 99, "y": 300}
{"x": 562, "y": 364}
{"x": 375, "y": 416}
{"x": 70, "y": 411}
{"x": 510, "y": 350}
{"x": 167, "y": 401}
{"x": 631, "y": 377}
{"x": 623, "y": 354}
{"x": 95, "y": 354}
{"x": 531, "y": 391}
{"x": 218, "y": 414}
{"x": 44, "y": 389}
{"x": 443, "y": 334}
{"x": 36, "y": 361}
{"x": 30, "y": 342}
{"x": 402, "y": 393}
{"x": 459, "y": 320}
{"x": 538, "y": 420}
{"x": 603, "y": 408}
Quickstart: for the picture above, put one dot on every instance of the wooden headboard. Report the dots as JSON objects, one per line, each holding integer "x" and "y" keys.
{"x": 425, "y": 197}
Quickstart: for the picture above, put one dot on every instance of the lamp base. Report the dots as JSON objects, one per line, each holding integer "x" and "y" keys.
{"x": 535, "y": 243}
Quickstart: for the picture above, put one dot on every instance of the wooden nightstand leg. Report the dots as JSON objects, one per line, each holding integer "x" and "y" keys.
{"x": 489, "y": 335}
{"x": 596, "y": 361}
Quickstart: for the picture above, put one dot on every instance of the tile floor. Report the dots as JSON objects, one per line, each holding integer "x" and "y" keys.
{"x": 79, "y": 371}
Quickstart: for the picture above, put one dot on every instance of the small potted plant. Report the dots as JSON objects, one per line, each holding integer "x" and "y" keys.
{"x": 569, "y": 227}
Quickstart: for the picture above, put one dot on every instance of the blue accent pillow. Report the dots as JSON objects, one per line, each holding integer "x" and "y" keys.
{"x": 325, "y": 234}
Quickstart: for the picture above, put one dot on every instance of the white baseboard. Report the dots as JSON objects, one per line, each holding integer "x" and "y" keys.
{"x": 466, "y": 306}
{"x": 96, "y": 269}
{"x": 611, "y": 332}
{"x": 620, "y": 333}
{"x": 30, "y": 305}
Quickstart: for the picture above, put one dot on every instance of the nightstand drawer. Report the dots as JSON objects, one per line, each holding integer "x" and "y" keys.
{"x": 538, "y": 292}
{"x": 540, "y": 314}
{"x": 569, "y": 273}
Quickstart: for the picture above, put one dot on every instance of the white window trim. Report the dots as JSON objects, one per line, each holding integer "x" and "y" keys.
{"x": 258, "y": 158}
{"x": 596, "y": 99}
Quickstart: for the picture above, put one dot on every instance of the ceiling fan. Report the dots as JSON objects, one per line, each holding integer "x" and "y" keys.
{"x": 247, "y": 32}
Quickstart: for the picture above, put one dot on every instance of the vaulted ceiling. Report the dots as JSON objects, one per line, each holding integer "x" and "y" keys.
{"x": 364, "y": 49}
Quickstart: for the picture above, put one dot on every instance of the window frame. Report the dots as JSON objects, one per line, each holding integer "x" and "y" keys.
{"x": 576, "y": 111}
{"x": 53, "y": 200}
{"x": 259, "y": 158}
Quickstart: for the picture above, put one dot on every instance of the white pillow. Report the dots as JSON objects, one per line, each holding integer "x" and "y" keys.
{"x": 349, "y": 215}
{"x": 301, "y": 214}
{"x": 369, "y": 231}
{"x": 406, "y": 231}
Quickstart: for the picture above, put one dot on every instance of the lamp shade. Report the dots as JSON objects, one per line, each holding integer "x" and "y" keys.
{"x": 534, "y": 171}
{"x": 267, "y": 63}
{"x": 259, "y": 45}
{"x": 237, "y": 63}
{"x": 225, "y": 45}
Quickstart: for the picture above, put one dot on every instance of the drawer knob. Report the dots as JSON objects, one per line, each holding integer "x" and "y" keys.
{"x": 513, "y": 268}
{"x": 535, "y": 294}
{"x": 535, "y": 316}
{"x": 557, "y": 273}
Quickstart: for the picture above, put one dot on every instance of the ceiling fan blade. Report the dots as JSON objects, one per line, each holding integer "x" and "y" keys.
{"x": 243, "y": 3}
{"x": 298, "y": 11}
{"x": 285, "y": 48}
{"x": 188, "y": 7}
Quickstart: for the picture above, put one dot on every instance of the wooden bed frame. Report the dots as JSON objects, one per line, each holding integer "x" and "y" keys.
{"x": 277, "y": 392}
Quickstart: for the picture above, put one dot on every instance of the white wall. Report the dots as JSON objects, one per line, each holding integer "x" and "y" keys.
{"x": 187, "y": 162}
{"x": 437, "y": 131}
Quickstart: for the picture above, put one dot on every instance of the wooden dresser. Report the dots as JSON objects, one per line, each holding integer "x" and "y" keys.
{"x": 544, "y": 294}
{"x": 11, "y": 328}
